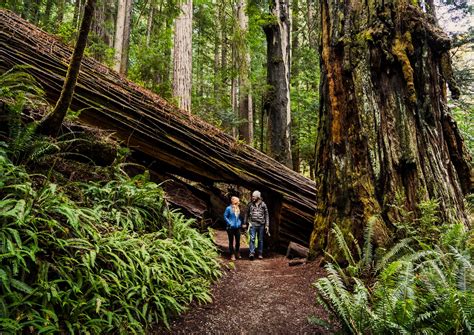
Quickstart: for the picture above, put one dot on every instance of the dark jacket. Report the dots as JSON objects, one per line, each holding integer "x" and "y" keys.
{"x": 257, "y": 214}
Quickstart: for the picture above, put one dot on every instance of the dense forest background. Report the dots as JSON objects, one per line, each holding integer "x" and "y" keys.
{"x": 391, "y": 217}
{"x": 230, "y": 60}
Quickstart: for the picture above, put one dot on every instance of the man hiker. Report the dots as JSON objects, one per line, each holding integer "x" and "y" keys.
{"x": 257, "y": 219}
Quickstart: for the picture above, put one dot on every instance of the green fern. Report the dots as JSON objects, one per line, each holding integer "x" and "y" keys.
{"x": 412, "y": 289}
{"x": 70, "y": 268}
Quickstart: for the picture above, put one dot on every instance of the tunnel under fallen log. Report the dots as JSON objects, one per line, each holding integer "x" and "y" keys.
{"x": 164, "y": 137}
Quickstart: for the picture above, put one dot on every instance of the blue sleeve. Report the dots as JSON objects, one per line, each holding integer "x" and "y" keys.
{"x": 227, "y": 214}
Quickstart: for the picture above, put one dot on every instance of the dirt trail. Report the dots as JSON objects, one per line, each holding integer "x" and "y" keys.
{"x": 256, "y": 297}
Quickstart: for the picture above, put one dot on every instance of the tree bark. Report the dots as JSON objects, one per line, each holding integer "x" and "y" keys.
{"x": 278, "y": 78}
{"x": 51, "y": 124}
{"x": 126, "y": 38}
{"x": 119, "y": 34}
{"x": 182, "y": 56}
{"x": 59, "y": 14}
{"x": 77, "y": 13}
{"x": 149, "y": 23}
{"x": 47, "y": 13}
{"x": 295, "y": 131}
{"x": 383, "y": 138}
{"x": 245, "y": 93}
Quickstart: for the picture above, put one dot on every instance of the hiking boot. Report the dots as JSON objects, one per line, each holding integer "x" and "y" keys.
{"x": 251, "y": 256}
{"x": 260, "y": 257}
{"x": 232, "y": 258}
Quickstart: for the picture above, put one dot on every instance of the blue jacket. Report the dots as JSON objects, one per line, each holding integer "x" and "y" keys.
{"x": 232, "y": 220}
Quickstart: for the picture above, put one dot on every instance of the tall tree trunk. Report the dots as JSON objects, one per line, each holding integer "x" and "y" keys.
{"x": 245, "y": 95}
{"x": 26, "y": 9}
{"x": 126, "y": 38}
{"x": 311, "y": 26}
{"x": 217, "y": 43}
{"x": 51, "y": 123}
{"x": 35, "y": 11}
{"x": 234, "y": 76}
{"x": 119, "y": 34}
{"x": 77, "y": 13}
{"x": 278, "y": 79}
{"x": 47, "y": 13}
{"x": 224, "y": 44}
{"x": 182, "y": 56}
{"x": 385, "y": 137}
{"x": 295, "y": 131}
{"x": 149, "y": 23}
{"x": 59, "y": 14}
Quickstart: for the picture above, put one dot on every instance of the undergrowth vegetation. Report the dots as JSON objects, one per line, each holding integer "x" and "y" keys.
{"x": 422, "y": 285}
{"x": 117, "y": 261}
{"x": 97, "y": 257}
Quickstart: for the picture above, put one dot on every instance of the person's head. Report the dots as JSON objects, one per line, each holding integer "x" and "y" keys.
{"x": 234, "y": 201}
{"x": 256, "y": 196}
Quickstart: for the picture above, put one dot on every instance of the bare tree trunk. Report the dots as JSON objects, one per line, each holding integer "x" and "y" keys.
{"x": 77, "y": 13}
{"x": 278, "y": 78}
{"x": 295, "y": 131}
{"x": 60, "y": 14}
{"x": 182, "y": 56}
{"x": 119, "y": 33}
{"x": 234, "y": 76}
{"x": 47, "y": 13}
{"x": 51, "y": 124}
{"x": 35, "y": 11}
{"x": 312, "y": 26}
{"x": 126, "y": 38}
{"x": 245, "y": 95}
{"x": 149, "y": 23}
{"x": 385, "y": 137}
{"x": 224, "y": 42}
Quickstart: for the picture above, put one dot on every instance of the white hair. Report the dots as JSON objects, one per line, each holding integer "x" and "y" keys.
{"x": 256, "y": 194}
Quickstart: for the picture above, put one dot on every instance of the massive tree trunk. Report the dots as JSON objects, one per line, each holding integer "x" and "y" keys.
{"x": 245, "y": 96}
{"x": 51, "y": 124}
{"x": 278, "y": 78}
{"x": 182, "y": 56}
{"x": 385, "y": 136}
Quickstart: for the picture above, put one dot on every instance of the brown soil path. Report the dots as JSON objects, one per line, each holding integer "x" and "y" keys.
{"x": 256, "y": 297}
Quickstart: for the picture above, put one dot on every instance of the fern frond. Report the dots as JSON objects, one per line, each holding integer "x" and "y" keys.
{"x": 342, "y": 244}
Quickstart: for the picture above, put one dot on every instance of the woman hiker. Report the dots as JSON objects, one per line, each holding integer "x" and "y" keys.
{"x": 257, "y": 219}
{"x": 233, "y": 221}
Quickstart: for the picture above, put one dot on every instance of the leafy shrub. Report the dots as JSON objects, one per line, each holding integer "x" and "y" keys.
{"x": 409, "y": 290}
{"x": 107, "y": 264}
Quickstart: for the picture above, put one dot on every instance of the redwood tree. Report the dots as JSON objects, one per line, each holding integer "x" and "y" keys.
{"x": 386, "y": 139}
{"x": 182, "y": 55}
{"x": 277, "y": 33}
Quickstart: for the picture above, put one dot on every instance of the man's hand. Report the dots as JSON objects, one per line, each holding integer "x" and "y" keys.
{"x": 267, "y": 230}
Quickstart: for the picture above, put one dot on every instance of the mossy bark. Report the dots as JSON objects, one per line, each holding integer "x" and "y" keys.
{"x": 385, "y": 133}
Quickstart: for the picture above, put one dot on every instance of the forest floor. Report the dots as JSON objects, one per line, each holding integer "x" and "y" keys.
{"x": 256, "y": 297}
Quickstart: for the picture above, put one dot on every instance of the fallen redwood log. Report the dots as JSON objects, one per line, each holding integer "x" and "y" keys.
{"x": 296, "y": 249}
{"x": 179, "y": 144}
